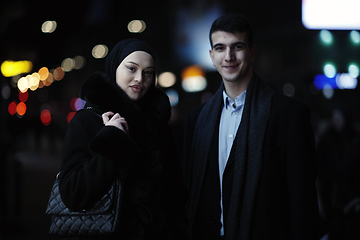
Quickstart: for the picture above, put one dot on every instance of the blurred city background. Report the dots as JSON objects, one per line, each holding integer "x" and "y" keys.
{"x": 308, "y": 50}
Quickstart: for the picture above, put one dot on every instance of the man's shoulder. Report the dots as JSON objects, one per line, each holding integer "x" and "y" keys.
{"x": 194, "y": 113}
{"x": 283, "y": 100}
{"x": 288, "y": 105}
{"x": 197, "y": 109}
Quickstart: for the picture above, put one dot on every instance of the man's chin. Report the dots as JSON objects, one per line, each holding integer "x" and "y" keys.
{"x": 231, "y": 79}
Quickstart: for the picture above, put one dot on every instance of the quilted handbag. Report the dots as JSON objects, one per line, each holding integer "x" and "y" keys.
{"x": 102, "y": 219}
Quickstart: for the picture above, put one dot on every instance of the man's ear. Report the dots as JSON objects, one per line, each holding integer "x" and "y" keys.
{"x": 253, "y": 50}
{"x": 211, "y": 55}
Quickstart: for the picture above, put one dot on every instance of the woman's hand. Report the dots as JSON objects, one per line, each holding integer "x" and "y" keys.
{"x": 111, "y": 119}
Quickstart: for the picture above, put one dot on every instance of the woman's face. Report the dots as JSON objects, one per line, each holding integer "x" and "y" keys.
{"x": 135, "y": 74}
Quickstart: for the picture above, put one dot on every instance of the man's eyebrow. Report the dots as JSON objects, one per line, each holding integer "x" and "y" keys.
{"x": 233, "y": 44}
{"x": 239, "y": 42}
{"x": 218, "y": 44}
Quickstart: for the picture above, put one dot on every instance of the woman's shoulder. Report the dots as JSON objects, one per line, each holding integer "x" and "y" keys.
{"x": 85, "y": 117}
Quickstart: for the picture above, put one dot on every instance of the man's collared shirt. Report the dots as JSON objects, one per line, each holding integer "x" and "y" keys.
{"x": 229, "y": 123}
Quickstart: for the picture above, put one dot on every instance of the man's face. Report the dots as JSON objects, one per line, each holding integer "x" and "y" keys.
{"x": 232, "y": 56}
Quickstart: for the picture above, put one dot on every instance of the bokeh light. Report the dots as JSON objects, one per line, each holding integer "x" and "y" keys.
{"x": 325, "y": 14}
{"x": 329, "y": 70}
{"x": 44, "y": 73}
{"x": 49, "y": 80}
{"x": 76, "y": 104}
{"x": 41, "y": 84}
{"x": 12, "y": 107}
{"x": 45, "y": 117}
{"x": 326, "y": 37}
{"x": 355, "y": 37}
{"x": 36, "y": 76}
{"x": 328, "y": 91}
{"x": 193, "y": 79}
{"x": 166, "y": 79}
{"x": 79, "y": 62}
{"x": 13, "y": 68}
{"x": 23, "y": 97}
{"x": 321, "y": 80}
{"x": 79, "y": 104}
{"x": 58, "y": 73}
{"x": 173, "y": 97}
{"x": 21, "y": 109}
{"x": 35, "y": 80}
{"x": 68, "y": 64}
{"x": 48, "y": 27}
{"x": 22, "y": 84}
{"x": 346, "y": 81}
{"x": 136, "y": 26}
{"x": 100, "y": 51}
{"x": 5, "y": 91}
{"x": 72, "y": 104}
{"x": 353, "y": 70}
{"x": 289, "y": 89}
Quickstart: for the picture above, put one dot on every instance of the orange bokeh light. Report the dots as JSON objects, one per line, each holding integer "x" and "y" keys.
{"x": 21, "y": 108}
{"x": 59, "y": 73}
{"x": 49, "y": 80}
{"x": 192, "y": 71}
{"x": 44, "y": 73}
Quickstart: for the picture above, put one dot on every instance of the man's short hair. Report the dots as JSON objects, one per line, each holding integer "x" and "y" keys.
{"x": 232, "y": 23}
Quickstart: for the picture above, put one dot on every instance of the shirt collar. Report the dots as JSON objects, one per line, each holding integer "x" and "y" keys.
{"x": 239, "y": 100}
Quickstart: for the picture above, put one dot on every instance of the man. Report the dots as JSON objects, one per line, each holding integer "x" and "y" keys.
{"x": 249, "y": 153}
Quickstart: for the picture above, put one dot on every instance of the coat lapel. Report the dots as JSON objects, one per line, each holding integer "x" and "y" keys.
{"x": 203, "y": 135}
{"x": 248, "y": 159}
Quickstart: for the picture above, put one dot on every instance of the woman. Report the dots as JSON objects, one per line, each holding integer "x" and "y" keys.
{"x": 122, "y": 132}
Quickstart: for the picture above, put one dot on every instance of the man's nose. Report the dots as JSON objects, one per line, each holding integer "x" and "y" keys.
{"x": 229, "y": 55}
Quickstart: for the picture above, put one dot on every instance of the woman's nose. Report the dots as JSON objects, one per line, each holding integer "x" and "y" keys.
{"x": 139, "y": 76}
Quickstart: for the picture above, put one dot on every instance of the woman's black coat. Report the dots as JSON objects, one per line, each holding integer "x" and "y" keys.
{"x": 145, "y": 159}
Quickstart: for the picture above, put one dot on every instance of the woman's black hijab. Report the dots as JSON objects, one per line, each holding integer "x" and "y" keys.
{"x": 121, "y": 51}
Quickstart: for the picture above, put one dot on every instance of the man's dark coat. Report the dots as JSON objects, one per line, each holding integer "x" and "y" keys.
{"x": 269, "y": 181}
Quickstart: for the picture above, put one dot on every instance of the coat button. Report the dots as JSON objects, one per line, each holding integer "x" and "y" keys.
{"x": 213, "y": 220}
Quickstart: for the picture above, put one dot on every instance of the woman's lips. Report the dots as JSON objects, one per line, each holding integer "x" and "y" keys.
{"x": 136, "y": 88}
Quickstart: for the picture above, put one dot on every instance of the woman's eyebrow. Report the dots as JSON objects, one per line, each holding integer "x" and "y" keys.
{"x": 133, "y": 63}
{"x": 152, "y": 67}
